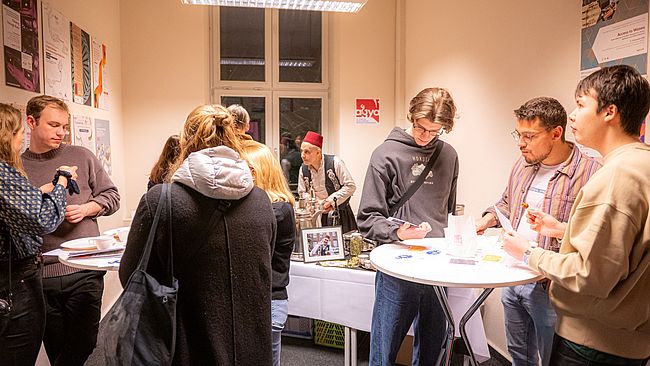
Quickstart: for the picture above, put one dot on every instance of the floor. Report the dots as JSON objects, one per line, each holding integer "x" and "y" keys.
{"x": 301, "y": 352}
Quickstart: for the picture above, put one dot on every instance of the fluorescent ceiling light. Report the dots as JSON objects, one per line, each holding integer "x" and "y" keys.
{"x": 344, "y": 6}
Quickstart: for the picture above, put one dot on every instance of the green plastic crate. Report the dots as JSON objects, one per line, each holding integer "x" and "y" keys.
{"x": 329, "y": 334}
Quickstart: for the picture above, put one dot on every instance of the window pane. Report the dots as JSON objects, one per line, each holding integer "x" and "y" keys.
{"x": 300, "y": 46}
{"x": 297, "y": 116}
{"x": 256, "y": 110}
{"x": 242, "y": 44}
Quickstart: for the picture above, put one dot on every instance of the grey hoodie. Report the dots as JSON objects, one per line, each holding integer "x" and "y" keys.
{"x": 394, "y": 166}
{"x": 216, "y": 172}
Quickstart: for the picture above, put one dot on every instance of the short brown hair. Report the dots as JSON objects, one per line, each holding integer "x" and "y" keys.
{"x": 434, "y": 104}
{"x": 549, "y": 111}
{"x": 36, "y": 105}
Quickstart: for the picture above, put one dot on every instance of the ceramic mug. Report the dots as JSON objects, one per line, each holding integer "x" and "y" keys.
{"x": 102, "y": 242}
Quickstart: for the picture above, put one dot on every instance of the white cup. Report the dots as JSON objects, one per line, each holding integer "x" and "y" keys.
{"x": 102, "y": 242}
{"x": 123, "y": 234}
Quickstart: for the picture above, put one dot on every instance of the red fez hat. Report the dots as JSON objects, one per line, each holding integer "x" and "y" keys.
{"x": 314, "y": 139}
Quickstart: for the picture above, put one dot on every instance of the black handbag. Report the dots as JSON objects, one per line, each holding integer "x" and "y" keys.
{"x": 140, "y": 328}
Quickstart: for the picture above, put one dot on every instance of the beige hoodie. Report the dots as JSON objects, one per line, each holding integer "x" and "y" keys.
{"x": 601, "y": 276}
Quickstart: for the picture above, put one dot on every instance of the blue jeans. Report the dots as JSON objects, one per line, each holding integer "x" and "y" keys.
{"x": 279, "y": 311}
{"x": 530, "y": 323}
{"x": 399, "y": 303}
{"x": 21, "y": 330}
{"x": 563, "y": 355}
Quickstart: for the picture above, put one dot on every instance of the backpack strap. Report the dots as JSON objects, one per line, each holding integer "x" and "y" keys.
{"x": 416, "y": 185}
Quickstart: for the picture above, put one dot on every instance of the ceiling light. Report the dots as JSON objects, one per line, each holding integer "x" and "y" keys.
{"x": 344, "y": 6}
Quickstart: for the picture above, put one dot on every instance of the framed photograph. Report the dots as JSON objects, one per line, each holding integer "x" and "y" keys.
{"x": 322, "y": 244}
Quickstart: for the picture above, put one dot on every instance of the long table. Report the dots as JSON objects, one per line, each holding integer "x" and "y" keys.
{"x": 346, "y": 296}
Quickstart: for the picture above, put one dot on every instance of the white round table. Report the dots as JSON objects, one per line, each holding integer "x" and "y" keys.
{"x": 429, "y": 264}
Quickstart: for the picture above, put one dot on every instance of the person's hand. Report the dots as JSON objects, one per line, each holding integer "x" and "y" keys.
{"x": 327, "y": 206}
{"x": 545, "y": 224}
{"x": 515, "y": 244}
{"x": 408, "y": 231}
{"x": 484, "y": 223}
{"x": 75, "y": 213}
{"x": 47, "y": 188}
{"x": 70, "y": 169}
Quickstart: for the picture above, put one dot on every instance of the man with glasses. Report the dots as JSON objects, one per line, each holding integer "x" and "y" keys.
{"x": 546, "y": 177}
{"x": 394, "y": 167}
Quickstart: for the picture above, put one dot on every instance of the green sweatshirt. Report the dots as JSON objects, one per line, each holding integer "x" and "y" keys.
{"x": 601, "y": 276}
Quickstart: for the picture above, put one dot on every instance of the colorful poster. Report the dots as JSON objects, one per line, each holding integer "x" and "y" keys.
{"x": 80, "y": 53}
{"x": 614, "y": 32}
{"x": 20, "y": 32}
{"x": 83, "y": 132}
{"x": 367, "y": 112}
{"x": 103, "y": 144}
{"x": 100, "y": 75}
{"x": 56, "y": 49}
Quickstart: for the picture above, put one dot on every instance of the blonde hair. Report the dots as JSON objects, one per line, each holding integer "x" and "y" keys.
{"x": 434, "y": 104}
{"x": 206, "y": 126}
{"x": 241, "y": 116}
{"x": 10, "y": 125}
{"x": 268, "y": 172}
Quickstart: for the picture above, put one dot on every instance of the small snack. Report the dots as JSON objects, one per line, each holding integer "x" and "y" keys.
{"x": 492, "y": 258}
{"x": 524, "y": 205}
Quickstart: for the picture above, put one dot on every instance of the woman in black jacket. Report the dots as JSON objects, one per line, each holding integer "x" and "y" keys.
{"x": 223, "y": 266}
{"x": 267, "y": 174}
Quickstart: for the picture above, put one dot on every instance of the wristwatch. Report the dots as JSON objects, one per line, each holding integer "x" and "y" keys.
{"x": 527, "y": 254}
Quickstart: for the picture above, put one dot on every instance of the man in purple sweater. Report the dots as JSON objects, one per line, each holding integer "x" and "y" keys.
{"x": 73, "y": 297}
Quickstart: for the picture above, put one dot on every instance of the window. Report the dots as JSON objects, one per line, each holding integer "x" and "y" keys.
{"x": 273, "y": 63}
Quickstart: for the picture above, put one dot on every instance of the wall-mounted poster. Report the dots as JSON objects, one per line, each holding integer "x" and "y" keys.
{"x": 103, "y": 144}
{"x": 20, "y": 32}
{"x": 614, "y": 32}
{"x": 80, "y": 53}
{"x": 367, "y": 111}
{"x": 56, "y": 49}
{"x": 83, "y": 133}
{"x": 100, "y": 75}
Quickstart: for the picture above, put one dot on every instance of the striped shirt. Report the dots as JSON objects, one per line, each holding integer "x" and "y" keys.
{"x": 560, "y": 194}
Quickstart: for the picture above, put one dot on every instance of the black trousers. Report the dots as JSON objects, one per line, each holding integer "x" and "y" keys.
{"x": 347, "y": 219}
{"x": 73, "y": 304}
{"x": 21, "y": 330}
{"x": 563, "y": 355}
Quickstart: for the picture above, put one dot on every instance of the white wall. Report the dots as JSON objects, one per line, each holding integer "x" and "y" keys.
{"x": 165, "y": 57}
{"x": 492, "y": 62}
{"x": 100, "y": 19}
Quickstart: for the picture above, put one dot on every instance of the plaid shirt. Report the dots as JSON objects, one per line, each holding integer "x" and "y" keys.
{"x": 26, "y": 213}
{"x": 560, "y": 194}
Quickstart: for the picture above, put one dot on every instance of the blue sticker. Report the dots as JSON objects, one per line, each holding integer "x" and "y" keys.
{"x": 433, "y": 252}
{"x": 404, "y": 256}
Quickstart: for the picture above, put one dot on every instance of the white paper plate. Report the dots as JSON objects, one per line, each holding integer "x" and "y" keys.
{"x": 79, "y": 244}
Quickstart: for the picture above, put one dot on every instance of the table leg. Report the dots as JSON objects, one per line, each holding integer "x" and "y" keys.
{"x": 442, "y": 297}
{"x": 346, "y": 347}
{"x": 353, "y": 347}
{"x": 468, "y": 314}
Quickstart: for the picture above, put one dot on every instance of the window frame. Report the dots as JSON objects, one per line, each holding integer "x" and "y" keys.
{"x": 272, "y": 89}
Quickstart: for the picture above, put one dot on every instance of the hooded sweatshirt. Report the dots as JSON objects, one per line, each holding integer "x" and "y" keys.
{"x": 224, "y": 276}
{"x": 394, "y": 166}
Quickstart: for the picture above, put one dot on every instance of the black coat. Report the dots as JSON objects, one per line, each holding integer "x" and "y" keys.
{"x": 224, "y": 300}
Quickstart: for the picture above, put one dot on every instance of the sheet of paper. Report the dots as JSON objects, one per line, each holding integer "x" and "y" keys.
{"x": 505, "y": 223}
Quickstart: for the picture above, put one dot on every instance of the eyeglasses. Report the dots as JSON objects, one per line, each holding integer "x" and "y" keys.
{"x": 421, "y": 130}
{"x": 526, "y": 137}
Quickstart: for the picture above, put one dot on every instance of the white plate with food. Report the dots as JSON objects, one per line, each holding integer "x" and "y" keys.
{"x": 120, "y": 234}
{"x": 90, "y": 243}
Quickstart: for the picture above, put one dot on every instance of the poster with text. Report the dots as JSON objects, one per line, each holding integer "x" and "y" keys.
{"x": 20, "y": 33}
{"x": 614, "y": 32}
{"x": 103, "y": 144}
{"x": 56, "y": 50}
{"x": 100, "y": 75}
{"x": 83, "y": 133}
{"x": 367, "y": 111}
{"x": 80, "y": 53}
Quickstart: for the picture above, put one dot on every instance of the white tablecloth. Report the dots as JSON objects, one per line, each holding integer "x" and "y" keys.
{"x": 346, "y": 296}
